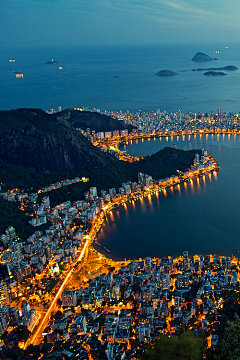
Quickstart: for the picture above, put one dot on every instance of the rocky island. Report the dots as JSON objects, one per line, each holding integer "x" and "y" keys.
{"x": 201, "y": 57}
{"x": 166, "y": 73}
{"x": 213, "y": 73}
{"x": 227, "y": 68}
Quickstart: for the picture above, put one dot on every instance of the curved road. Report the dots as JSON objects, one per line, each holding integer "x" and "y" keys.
{"x": 89, "y": 238}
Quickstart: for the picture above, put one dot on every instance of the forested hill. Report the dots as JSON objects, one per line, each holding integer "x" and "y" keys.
{"x": 33, "y": 138}
{"x": 160, "y": 165}
{"x": 94, "y": 120}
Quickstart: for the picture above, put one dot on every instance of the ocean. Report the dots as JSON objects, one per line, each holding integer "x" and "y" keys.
{"x": 119, "y": 78}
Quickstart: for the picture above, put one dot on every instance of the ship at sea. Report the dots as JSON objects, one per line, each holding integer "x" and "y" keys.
{"x": 18, "y": 74}
{"x": 52, "y": 62}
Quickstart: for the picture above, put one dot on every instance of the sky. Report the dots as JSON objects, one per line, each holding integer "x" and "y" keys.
{"x": 107, "y": 22}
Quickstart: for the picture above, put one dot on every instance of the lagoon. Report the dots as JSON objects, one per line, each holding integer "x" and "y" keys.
{"x": 202, "y": 217}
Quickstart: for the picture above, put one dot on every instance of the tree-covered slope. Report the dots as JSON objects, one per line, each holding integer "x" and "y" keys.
{"x": 32, "y": 138}
{"x": 95, "y": 121}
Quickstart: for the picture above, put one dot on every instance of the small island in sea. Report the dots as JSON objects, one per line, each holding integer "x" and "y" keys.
{"x": 227, "y": 68}
{"x": 214, "y": 73}
{"x": 166, "y": 73}
{"x": 52, "y": 62}
{"x": 201, "y": 57}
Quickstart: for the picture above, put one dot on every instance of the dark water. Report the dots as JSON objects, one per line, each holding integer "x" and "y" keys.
{"x": 202, "y": 218}
{"x": 119, "y": 78}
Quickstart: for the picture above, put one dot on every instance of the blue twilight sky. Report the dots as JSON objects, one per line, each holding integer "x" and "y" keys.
{"x": 90, "y": 22}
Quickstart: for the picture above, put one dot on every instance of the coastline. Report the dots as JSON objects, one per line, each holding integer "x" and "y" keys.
{"x": 167, "y": 183}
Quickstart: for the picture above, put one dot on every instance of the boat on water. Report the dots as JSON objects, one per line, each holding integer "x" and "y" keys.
{"x": 52, "y": 62}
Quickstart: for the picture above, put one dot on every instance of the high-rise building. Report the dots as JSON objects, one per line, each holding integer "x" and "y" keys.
{"x": 127, "y": 188}
{"x": 11, "y": 233}
{"x": 124, "y": 132}
{"x": 4, "y": 297}
{"x": 182, "y": 282}
{"x": 25, "y": 307}
{"x": 147, "y": 264}
{"x": 165, "y": 281}
{"x": 93, "y": 191}
{"x": 14, "y": 315}
{"x": 185, "y": 259}
{"x": 112, "y": 193}
{"x": 3, "y": 322}
{"x": 69, "y": 298}
{"x": 197, "y": 159}
{"x": 121, "y": 191}
{"x": 4, "y": 239}
{"x": 148, "y": 180}
{"x": 103, "y": 193}
{"x": 80, "y": 322}
{"x": 134, "y": 186}
{"x": 179, "y": 114}
{"x": 116, "y": 291}
{"x": 177, "y": 302}
{"x": 115, "y": 133}
{"x": 228, "y": 263}
{"x": 140, "y": 178}
{"x": 108, "y": 134}
{"x": 45, "y": 202}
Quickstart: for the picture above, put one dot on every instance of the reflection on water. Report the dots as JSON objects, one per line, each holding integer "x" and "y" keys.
{"x": 204, "y": 180}
{"x": 201, "y": 216}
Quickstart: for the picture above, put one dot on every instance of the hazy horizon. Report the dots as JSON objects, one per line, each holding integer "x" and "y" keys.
{"x": 116, "y": 22}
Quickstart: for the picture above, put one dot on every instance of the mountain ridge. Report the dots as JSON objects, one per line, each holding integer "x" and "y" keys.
{"x": 32, "y": 138}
